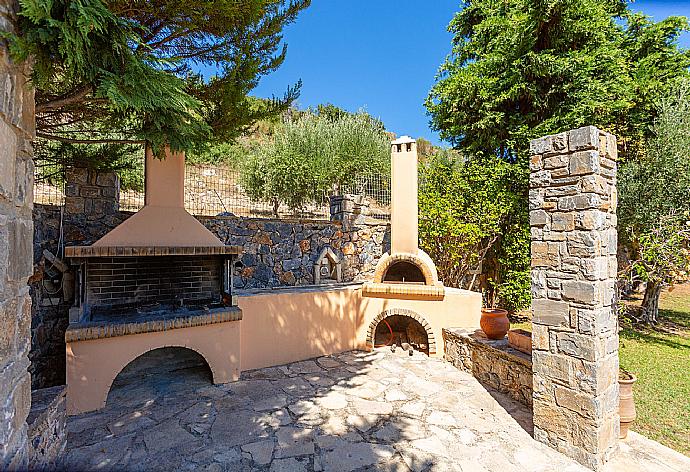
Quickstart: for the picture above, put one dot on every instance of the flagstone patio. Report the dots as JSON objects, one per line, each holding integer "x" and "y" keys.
{"x": 351, "y": 412}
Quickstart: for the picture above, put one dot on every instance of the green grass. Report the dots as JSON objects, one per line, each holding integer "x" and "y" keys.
{"x": 660, "y": 357}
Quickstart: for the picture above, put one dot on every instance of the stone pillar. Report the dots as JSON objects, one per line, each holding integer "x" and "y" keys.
{"x": 350, "y": 210}
{"x": 575, "y": 339}
{"x": 16, "y": 249}
{"x": 91, "y": 193}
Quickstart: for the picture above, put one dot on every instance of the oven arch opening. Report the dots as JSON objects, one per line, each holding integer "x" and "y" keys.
{"x": 404, "y": 272}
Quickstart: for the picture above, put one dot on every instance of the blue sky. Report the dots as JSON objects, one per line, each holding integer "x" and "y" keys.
{"x": 382, "y": 55}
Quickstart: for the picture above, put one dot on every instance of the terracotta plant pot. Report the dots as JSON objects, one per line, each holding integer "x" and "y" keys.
{"x": 520, "y": 340}
{"x": 626, "y": 402}
{"x": 494, "y": 322}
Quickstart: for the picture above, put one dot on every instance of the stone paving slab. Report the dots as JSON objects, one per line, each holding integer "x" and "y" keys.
{"x": 350, "y": 412}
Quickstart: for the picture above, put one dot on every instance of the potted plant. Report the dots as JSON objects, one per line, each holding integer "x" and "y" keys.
{"x": 494, "y": 322}
{"x": 626, "y": 402}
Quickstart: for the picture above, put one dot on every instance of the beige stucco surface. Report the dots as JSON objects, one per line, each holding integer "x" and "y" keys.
{"x": 284, "y": 326}
{"x": 93, "y": 365}
{"x": 163, "y": 221}
{"x": 278, "y": 327}
{"x": 404, "y": 224}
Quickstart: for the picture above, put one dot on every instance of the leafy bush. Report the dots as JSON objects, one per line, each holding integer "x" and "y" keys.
{"x": 473, "y": 216}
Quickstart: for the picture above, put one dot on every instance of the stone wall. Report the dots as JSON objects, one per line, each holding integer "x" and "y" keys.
{"x": 47, "y": 437}
{"x": 575, "y": 337}
{"x": 493, "y": 362}
{"x": 274, "y": 253}
{"x": 282, "y": 253}
{"x": 16, "y": 232}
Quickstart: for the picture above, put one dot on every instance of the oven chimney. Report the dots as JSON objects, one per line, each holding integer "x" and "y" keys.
{"x": 404, "y": 216}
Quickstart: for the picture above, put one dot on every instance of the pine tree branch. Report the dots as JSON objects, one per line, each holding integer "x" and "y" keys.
{"x": 69, "y": 99}
{"x": 89, "y": 141}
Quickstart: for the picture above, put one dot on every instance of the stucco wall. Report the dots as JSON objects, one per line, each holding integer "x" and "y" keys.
{"x": 16, "y": 232}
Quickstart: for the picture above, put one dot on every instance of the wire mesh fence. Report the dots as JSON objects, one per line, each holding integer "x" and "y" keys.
{"x": 216, "y": 190}
{"x": 49, "y": 185}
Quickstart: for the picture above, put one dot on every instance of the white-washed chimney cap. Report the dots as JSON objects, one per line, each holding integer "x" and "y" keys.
{"x": 403, "y": 140}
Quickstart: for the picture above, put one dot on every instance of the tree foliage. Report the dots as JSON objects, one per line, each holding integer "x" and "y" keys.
{"x": 315, "y": 152}
{"x": 471, "y": 215}
{"x": 124, "y": 71}
{"x": 520, "y": 69}
{"x": 654, "y": 205}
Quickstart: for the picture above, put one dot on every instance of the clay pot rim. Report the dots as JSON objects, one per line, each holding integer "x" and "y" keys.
{"x": 494, "y": 311}
{"x": 628, "y": 381}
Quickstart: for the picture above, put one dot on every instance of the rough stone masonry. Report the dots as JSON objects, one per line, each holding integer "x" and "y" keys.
{"x": 16, "y": 259}
{"x": 575, "y": 338}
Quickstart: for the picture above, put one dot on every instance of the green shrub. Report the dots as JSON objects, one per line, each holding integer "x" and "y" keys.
{"x": 473, "y": 215}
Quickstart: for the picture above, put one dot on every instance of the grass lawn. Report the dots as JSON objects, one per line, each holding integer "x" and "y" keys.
{"x": 660, "y": 357}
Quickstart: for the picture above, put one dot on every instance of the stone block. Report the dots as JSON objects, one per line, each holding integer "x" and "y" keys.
{"x": 536, "y": 199}
{"x": 24, "y": 185}
{"x": 556, "y": 162}
{"x": 579, "y": 202}
{"x": 89, "y": 191}
{"x": 584, "y": 162}
{"x": 78, "y": 174}
{"x": 540, "y": 337}
{"x": 608, "y": 146}
{"x": 595, "y": 184}
{"x": 585, "y": 292}
{"x": 8, "y": 159}
{"x": 551, "y": 312}
{"x": 535, "y": 162}
{"x": 538, "y": 218}
{"x": 591, "y": 220}
{"x": 559, "y": 143}
{"x": 584, "y": 138}
{"x": 581, "y": 346}
{"x": 107, "y": 179}
{"x": 544, "y": 254}
{"x": 20, "y": 249}
{"x": 562, "y": 221}
{"x": 581, "y": 403}
{"x": 596, "y": 268}
{"x": 583, "y": 244}
{"x": 541, "y": 145}
{"x": 22, "y": 402}
{"x": 562, "y": 191}
{"x": 552, "y": 367}
{"x": 74, "y": 205}
{"x": 8, "y": 330}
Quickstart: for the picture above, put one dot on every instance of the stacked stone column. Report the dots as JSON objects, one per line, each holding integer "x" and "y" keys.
{"x": 575, "y": 340}
{"x": 350, "y": 210}
{"x": 16, "y": 249}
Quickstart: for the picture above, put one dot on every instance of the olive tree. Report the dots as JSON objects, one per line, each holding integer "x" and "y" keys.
{"x": 314, "y": 154}
{"x": 655, "y": 202}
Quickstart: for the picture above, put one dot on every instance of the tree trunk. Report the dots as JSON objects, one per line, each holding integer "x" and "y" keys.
{"x": 650, "y": 303}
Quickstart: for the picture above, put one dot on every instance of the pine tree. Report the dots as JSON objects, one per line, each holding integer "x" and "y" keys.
{"x": 124, "y": 71}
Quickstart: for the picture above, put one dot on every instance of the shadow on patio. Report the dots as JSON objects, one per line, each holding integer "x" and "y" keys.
{"x": 353, "y": 411}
